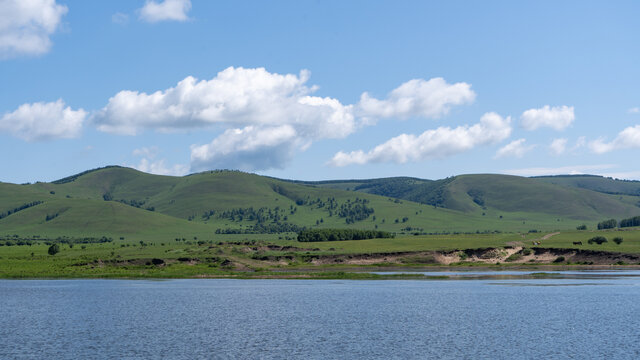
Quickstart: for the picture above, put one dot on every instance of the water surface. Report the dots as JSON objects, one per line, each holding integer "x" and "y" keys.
{"x": 283, "y": 319}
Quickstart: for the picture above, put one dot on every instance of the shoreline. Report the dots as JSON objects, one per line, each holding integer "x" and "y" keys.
{"x": 480, "y": 272}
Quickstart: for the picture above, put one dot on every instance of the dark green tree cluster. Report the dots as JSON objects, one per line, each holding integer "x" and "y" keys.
{"x": 356, "y": 210}
{"x": 261, "y": 228}
{"x": 133, "y": 202}
{"x": 261, "y": 215}
{"x": 607, "y": 224}
{"x": 314, "y": 235}
{"x": 476, "y": 196}
{"x": 634, "y": 221}
{"x": 50, "y": 217}
{"x": 208, "y": 214}
{"x": 19, "y": 208}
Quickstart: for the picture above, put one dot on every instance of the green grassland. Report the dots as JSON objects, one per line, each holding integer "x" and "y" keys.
{"x": 100, "y": 203}
{"x": 218, "y": 215}
{"x": 243, "y": 257}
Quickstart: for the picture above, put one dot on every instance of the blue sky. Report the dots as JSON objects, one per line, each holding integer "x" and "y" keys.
{"x": 320, "y": 89}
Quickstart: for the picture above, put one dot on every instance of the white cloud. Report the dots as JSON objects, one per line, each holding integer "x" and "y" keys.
{"x": 159, "y": 168}
{"x": 120, "y": 18}
{"x": 246, "y": 102}
{"x": 250, "y": 148}
{"x": 558, "y": 146}
{"x": 236, "y": 97}
{"x": 149, "y": 165}
{"x": 516, "y": 149}
{"x": 557, "y": 117}
{"x": 564, "y": 170}
{"x": 635, "y": 110}
{"x": 417, "y": 98}
{"x": 25, "y": 26}
{"x": 439, "y": 143}
{"x": 43, "y": 121}
{"x": 167, "y": 10}
{"x": 628, "y": 138}
{"x": 148, "y": 152}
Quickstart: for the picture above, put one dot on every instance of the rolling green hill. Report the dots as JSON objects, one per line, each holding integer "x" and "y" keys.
{"x": 509, "y": 194}
{"x": 595, "y": 183}
{"x": 121, "y": 202}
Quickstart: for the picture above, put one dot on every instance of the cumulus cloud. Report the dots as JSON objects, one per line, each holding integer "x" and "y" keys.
{"x": 148, "y": 163}
{"x": 43, "y": 121}
{"x": 628, "y": 138}
{"x": 557, "y": 117}
{"x": 417, "y": 98}
{"x": 439, "y": 143}
{"x": 246, "y": 102}
{"x": 563, "y": 170}
{"x": 236, "y": 97}
{"x": 266, "y": 116}
{"x": 167, "y": 10}
{"x": 160, "y": 168}
{"x": 558, "y": 146}
{"x": 516, "y": 148}
{"x": 250, "y": 148}
{"x": 25, "y": 26}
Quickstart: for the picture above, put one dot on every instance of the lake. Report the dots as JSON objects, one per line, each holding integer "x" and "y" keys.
{"x": 591, "y": 316}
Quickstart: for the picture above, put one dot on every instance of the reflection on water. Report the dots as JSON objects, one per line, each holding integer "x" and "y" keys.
{"x": 487, "y": 274}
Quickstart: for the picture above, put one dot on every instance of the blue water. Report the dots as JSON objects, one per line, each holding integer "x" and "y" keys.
{"x": 284, "y": 319}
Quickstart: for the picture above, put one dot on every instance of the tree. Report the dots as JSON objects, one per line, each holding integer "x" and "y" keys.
{"x": 54, "y": 249}
{"x": 607, "y": 224}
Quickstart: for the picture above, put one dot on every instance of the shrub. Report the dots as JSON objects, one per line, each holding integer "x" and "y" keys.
{"x": 559, "y": 259}
{"x": 157, "y": 261}
{"x": 618, "y": 240}
{"x": 526, "y": 252}
{"x": 514, "y": 257}
{"x": 582, "y": 227}
{"x": 53, "y": 249}
{"x": 598, "y": 240}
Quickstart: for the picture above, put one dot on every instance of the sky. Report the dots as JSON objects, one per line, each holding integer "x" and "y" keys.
{"x": 316, "y": 90}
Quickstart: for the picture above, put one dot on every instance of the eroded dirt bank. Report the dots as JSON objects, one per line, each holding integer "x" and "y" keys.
{"x": 514, "y": 255}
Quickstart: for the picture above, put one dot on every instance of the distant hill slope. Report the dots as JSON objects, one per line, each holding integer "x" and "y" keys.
{"x": 559, "y": 196}
{"x": 117, "y": 200}
{"x": 595, "y": 183}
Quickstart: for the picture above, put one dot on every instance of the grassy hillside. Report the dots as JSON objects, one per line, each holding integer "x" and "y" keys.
{"x": 513, "y": 193}
{"x": 563, "y": 197}
{"x": 116, "y": 201}
{"x": 595, "y": 183}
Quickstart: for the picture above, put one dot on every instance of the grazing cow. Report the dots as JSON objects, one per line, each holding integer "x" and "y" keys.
{"x": 577, "y": 243}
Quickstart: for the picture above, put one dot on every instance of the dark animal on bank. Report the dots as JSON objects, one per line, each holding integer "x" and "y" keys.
{"x": 577, "y": 243}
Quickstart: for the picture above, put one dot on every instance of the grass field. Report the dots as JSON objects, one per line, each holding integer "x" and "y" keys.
{"x": 262, "y": 256}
